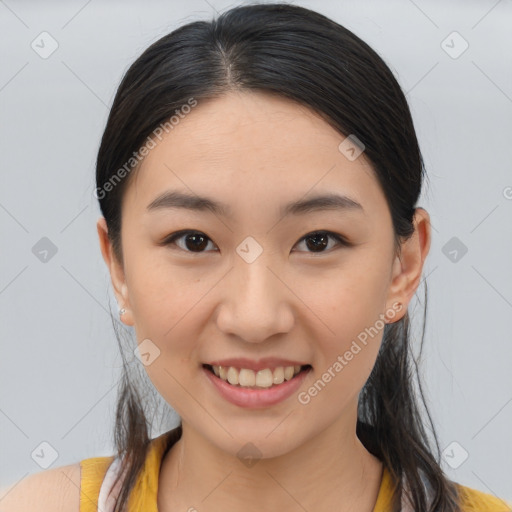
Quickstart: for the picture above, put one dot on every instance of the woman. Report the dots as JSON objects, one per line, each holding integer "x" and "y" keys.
{"x": 259, "y": 177}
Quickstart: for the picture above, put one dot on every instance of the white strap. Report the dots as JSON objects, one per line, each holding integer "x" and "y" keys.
{"x": 106, "y": 502}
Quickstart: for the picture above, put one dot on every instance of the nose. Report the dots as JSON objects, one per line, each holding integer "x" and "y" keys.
{"x": 256, "y": 302}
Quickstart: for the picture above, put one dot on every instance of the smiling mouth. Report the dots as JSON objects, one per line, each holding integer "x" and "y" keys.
{"x": 263, "y": 379}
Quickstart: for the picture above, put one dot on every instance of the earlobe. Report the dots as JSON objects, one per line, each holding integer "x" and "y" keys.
{"x": 408, "y": 266}
{"x": 116, "y": 271}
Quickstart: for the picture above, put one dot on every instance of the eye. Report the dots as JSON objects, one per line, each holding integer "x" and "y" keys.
{"x": 320, "y": 239}
{"x": 195, "y": 241}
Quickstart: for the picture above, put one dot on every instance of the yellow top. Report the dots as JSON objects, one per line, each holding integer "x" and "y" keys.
{"x": 144, "y": 496}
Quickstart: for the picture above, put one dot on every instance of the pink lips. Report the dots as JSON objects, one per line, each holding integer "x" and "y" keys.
{"x": 256, "y": 398}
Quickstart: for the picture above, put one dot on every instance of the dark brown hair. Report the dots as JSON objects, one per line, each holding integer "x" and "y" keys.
{"x": 302, "y": 55}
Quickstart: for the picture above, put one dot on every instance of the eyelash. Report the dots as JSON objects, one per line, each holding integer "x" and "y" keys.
{"x": 180, "y": 234}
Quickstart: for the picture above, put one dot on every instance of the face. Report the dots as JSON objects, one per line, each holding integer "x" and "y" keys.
{"x": 253, "y": 280}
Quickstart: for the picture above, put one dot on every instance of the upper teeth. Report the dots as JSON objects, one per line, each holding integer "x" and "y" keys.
{"x": 262, "y": 378}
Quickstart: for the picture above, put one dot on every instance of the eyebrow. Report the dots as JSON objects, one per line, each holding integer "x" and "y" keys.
{"x": 176, "y": 199}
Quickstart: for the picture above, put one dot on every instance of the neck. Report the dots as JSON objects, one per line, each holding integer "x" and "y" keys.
{"x": 331, "y": 471}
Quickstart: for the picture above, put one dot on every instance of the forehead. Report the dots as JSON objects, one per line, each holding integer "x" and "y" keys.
{"x": 253, "y": 148}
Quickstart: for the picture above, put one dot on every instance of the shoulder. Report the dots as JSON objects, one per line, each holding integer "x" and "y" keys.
{"x": 55, "y": 490}
{"x": 473, "y": 500}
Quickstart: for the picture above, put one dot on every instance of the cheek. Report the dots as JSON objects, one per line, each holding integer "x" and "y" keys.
{"x": 351, "y": 306}
{"x": 170, "y": 313}
{"x": 161, "y": 295}
{"x": 167, "y": 376}
{"x": 348, "y": 358}
{"x": 348, "y": 298}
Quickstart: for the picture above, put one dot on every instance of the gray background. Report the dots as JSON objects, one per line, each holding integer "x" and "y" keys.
{"x": 60, "y": 362}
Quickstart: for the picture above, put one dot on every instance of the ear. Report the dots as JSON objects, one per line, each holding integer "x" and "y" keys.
{"x": 116, "y": 271}
{"x": 408, "y": 266}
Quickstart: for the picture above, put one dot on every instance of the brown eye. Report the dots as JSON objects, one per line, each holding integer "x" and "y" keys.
{"x": 194, "y": 241}
{"x": 317, "y": 241}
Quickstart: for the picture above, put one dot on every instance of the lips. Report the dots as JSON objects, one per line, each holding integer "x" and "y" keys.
{"x": 254, "y": 397}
